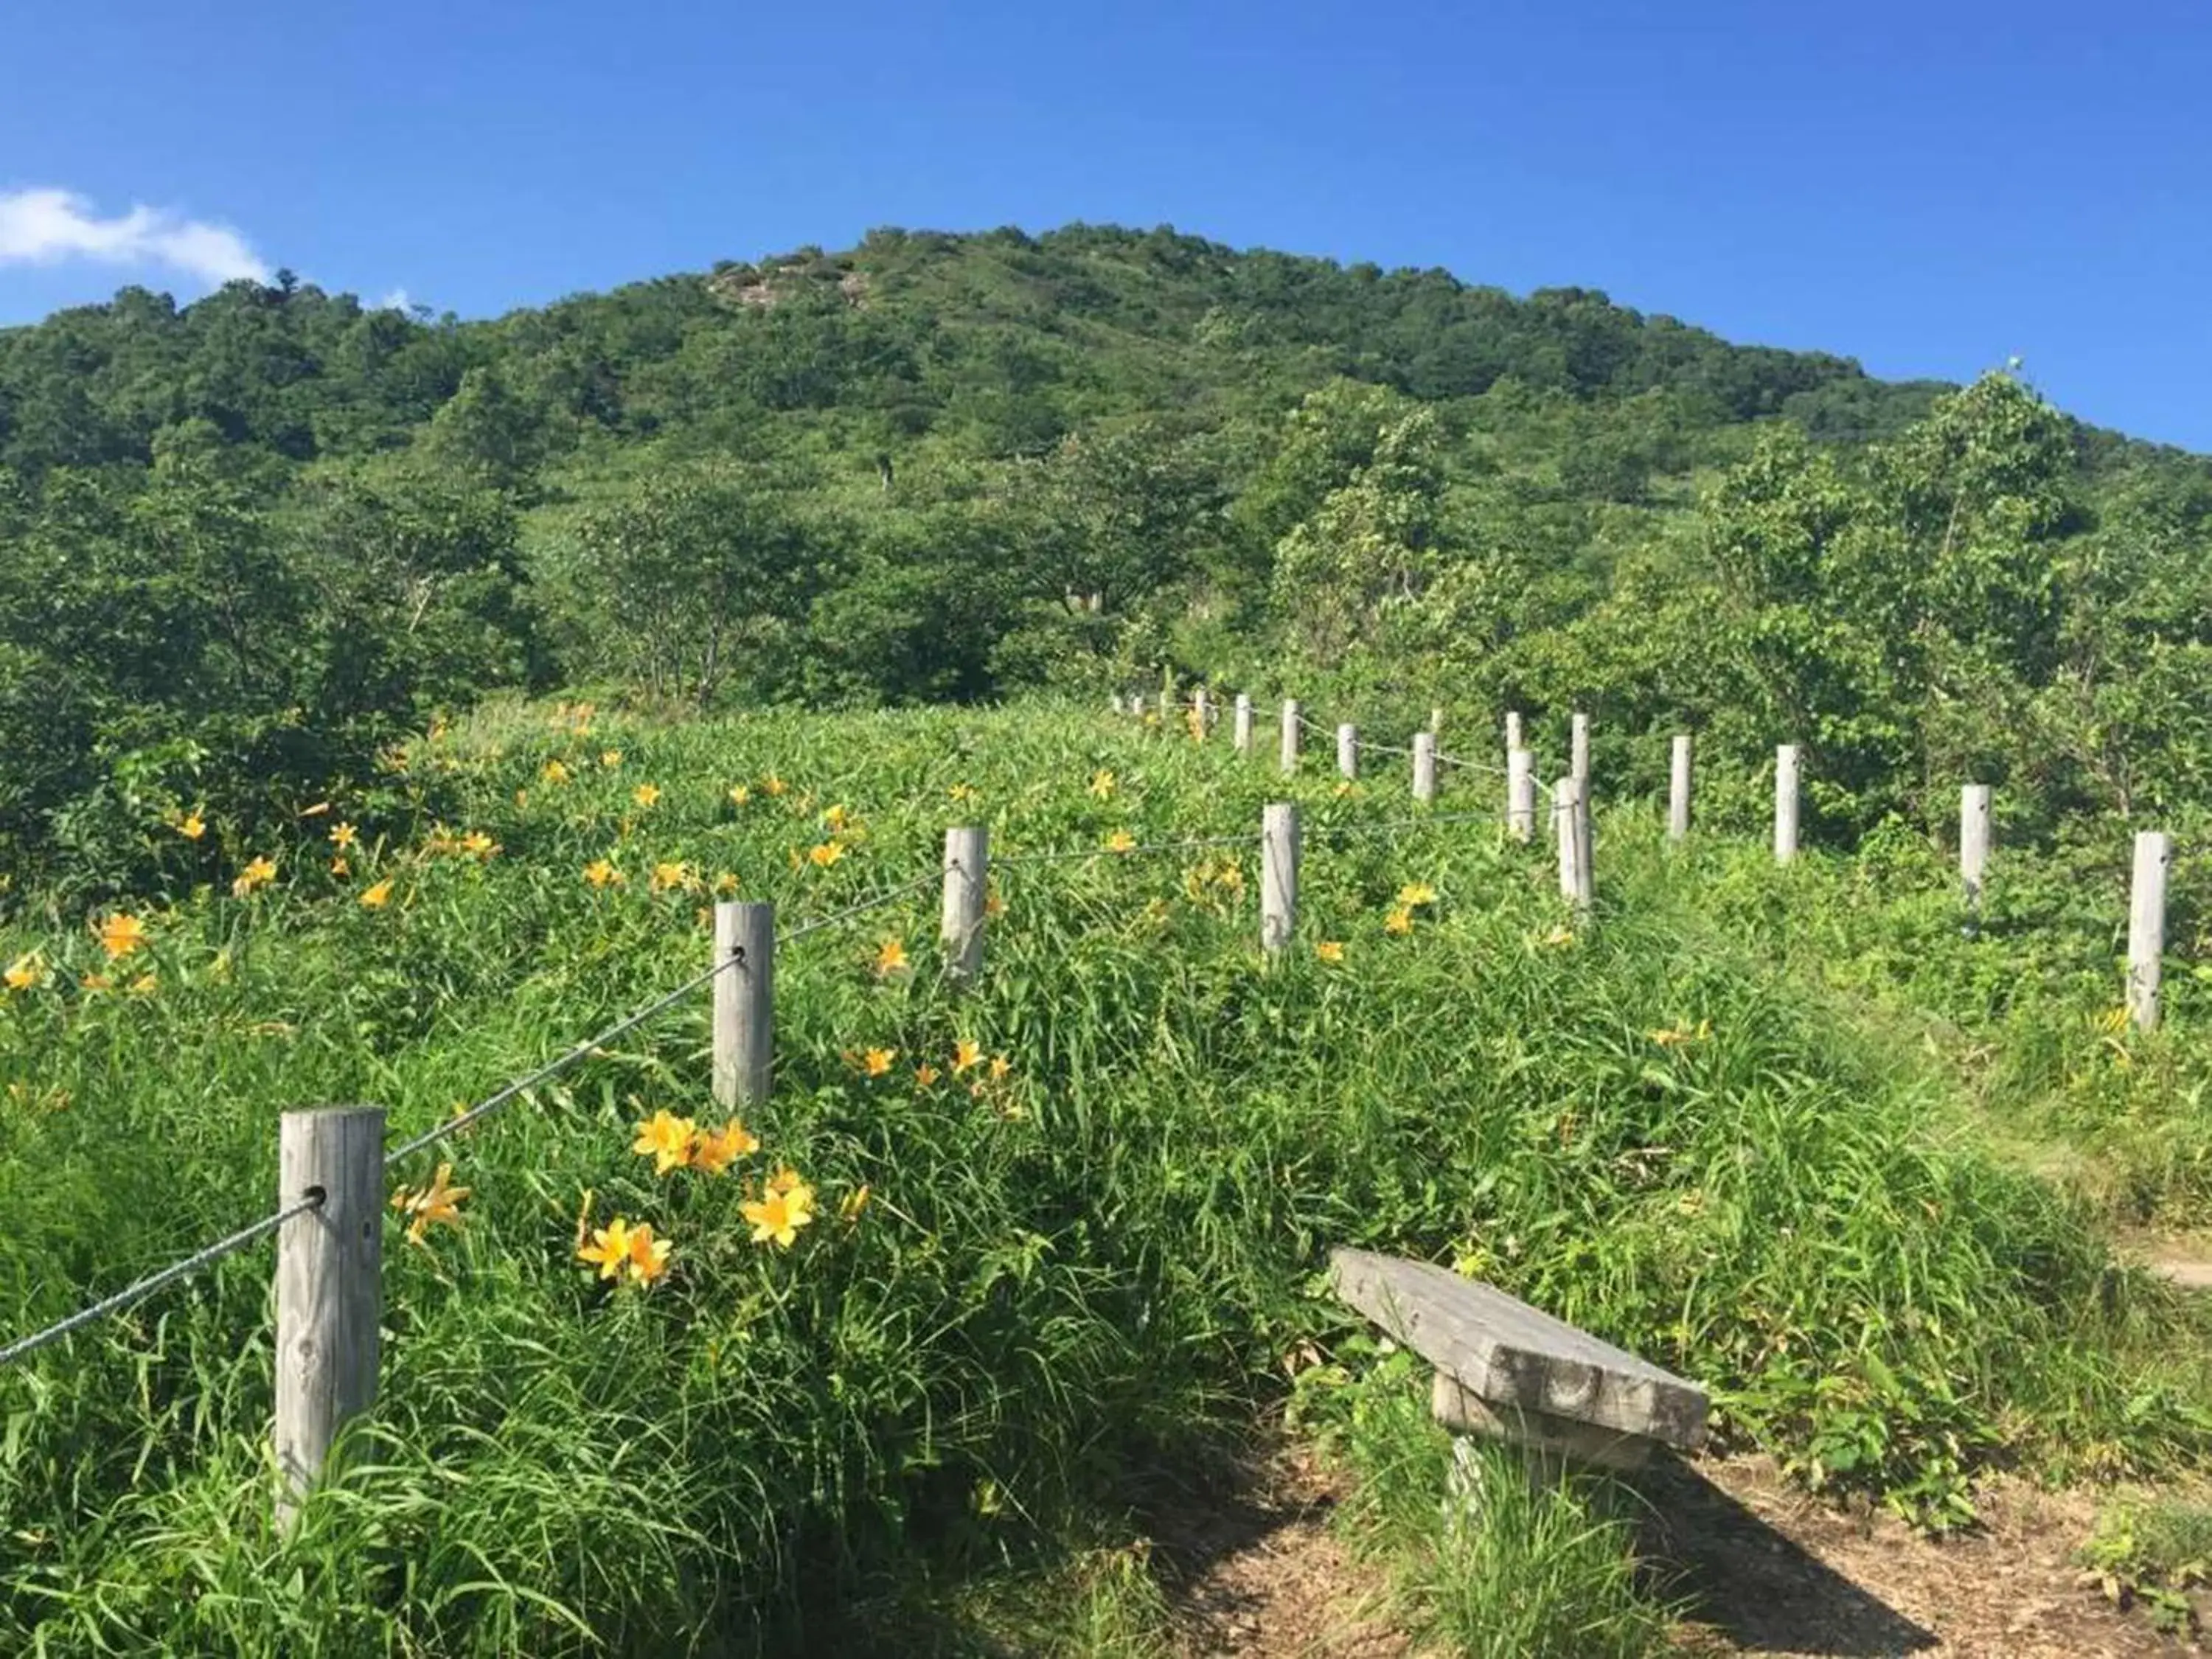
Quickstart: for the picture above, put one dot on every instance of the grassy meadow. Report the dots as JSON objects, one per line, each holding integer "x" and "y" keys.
{"x": 1786, "y": 1132}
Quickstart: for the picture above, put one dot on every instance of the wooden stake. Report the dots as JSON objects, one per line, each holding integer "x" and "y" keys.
{"x": 1425, "y": 766}
{"x": 1278, "y": 875}
{"x": 1118, "y": 704}
{"x": 2147, "y": 926}
{"x": 1347, "y": 751}
{"x": 1241, "y": 729}
{"x": 967, "y": 881}
{"x": 330, "y": 1288}
{"x": 745, "y": 1003}
{"x": 1521, "y": 795}
{"x": 1678, "y": 790}
{"x": 1436, "y": 720}
{"x": 1513, "y": 739}
{"x": 1973, "y": 841}
{"x": 1785, "y": 803}
{"x": 1574, "y": 841}
{"x": 1579, "y": 759}
{"x": 1290, "y": 734}
{"x": 1202, "y": 712}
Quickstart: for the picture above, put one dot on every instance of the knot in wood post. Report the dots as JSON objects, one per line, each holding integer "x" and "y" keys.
{"x": 1279, "y": 876}
{"x": 745, "y": 1003}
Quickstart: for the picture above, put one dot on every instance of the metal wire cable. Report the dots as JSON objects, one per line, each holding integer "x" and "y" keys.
{"x": 867, "y": 904}
{"x": 1190, "y": 844}
{"x": 131, "y": 1294}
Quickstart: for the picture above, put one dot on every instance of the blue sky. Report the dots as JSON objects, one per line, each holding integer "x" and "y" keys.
{"x": 1931, "y": 188}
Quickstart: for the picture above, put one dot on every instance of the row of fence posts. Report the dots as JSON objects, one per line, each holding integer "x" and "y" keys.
{"x": 330, "y": 1258}
{"x": 1571, "y": 797}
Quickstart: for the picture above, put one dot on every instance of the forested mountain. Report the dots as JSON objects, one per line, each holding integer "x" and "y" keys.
{"x": 244, "y": 543}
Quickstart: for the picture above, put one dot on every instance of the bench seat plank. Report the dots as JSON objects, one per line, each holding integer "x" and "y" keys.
{"x": 1511, "y": 1355}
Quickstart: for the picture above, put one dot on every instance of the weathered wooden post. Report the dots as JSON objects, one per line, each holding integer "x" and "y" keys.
{"x": 1290, "y": 734}
{"x": 1202, "y": 714}
{"x": 1521, "y": 794}
{"x": 1578, "y": 759}
{"x": 1678, "y": 790}
{"x": 1137, "y": 704}
{"x": 1437, "y": 720}
{"x": 1240, "y": 728}
{"x": 1347, "y": 751}
{"x": 1513, "y": 739}
{"x": 1785, "y": 803}
{"x": 1278, "y": 875}
{"x": 745, "y": 1003}
{"x": 967, "y": 879}
{"x": 1425, "y": 766}
{"x": 2147, "y": 926}
{"x": 1567, "y": 809}
{"x": 330, "y": 1287}
{"x": 1973, "y": 841}
{"x": 1118, "y": 704}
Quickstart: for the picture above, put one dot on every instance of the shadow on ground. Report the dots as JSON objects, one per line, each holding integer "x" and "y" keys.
{"x": 1754, "y": 1586}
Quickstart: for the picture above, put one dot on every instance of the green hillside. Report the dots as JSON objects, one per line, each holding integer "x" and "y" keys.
{"x": 247, "y": 543}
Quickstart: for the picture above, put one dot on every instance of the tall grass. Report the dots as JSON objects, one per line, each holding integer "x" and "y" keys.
{"x": 1100, "y": 1260}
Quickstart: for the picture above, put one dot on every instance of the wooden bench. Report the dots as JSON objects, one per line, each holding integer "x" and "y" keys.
{"x": 1507, "y": 1370}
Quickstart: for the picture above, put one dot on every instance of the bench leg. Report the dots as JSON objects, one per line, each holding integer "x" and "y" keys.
{"x": 1469, "y": 1413}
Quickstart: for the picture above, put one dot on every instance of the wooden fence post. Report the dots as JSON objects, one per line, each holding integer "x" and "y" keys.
{"x": 745, "y": 1003}
{"x": 1578, "y": 759}
{"x": 1425, "y": 766}
{"x": 1678, "y": 790}
{"x": 967, "y": 881}
{"x": 1513, "y": 737}
{"x": 330, "y": 1287}
{"x": 1137, "y": 704}
{"x": 1785, "y": 803}
{"x": 1278, "y": 875}
{"x": 2147, "y": 926}
{"x": 1118, "y": 704}
{"x": 1567, "y": 810}
{"x": 1347, "y": 751}
{"x": 1241, "y": 730}
{"x": 1290, "y": 734}
{"x": 1521, "y": 795}
{"x": 1202, "y": 712}
{"x": 1437, "y": 720}
{"x": 1973, "y": 840}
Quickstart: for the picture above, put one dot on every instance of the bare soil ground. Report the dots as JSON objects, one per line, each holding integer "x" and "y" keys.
{"x": 1256, "y": 1571}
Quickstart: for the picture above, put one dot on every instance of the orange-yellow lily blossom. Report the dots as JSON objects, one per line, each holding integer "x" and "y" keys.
{"x": 344, "y": 834}
{"x": 259, "y": 873}
{"x": 438, "y": 1203}
{"x": 777, "y": 1217}
{"x": 376, "y": 897}
{"x": 890, "y": 957}
{"x": 192, "y": 826}
{"x": 646, "y": 795}
{"x": 609, "y": 1249}
{"x": 649, "y": 1256}
{"x": 25, "y": 971}
{"x": 878, "y": 1062}
{"x": 667, "y": 1139}
{"x": 965, "y": 1054}
{"x": 121, "y": 934}
{"x": 715, "y": 1149}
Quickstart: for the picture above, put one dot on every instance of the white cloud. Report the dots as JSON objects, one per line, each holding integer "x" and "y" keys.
{"x": 398, "y": 300}
{"x": 44, "y": 226}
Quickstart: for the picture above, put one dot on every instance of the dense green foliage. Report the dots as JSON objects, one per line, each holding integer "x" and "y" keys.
{"x": 1063, "y": 1272}
{"x": 246, "y": 542}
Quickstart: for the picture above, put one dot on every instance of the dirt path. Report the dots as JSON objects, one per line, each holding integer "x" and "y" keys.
{"x": 1256, "y": 1571}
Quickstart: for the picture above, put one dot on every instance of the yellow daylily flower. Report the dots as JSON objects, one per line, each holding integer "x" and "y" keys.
{"x": 777, "y": 1217}
{"x": 890, "y": 957}
{"x": 1102, "y": 784}
{"x": 344, "y": 834}
{"x": 601, "y": 873}
{"x": 878, "y": 1062}
{"x": 1120, "y": 841}
{"x": 649, "y": 1256}
{"x": 1415, "y": 893}
{"x": 375, "y": 898}
{"x": 26, "y": 971}
{"x": 439, "y": 1203}
{"x": 774, "y": 785}
{"x": 121, "y": 934}
{"x": 1330, "y": 950}
{"x": 715, "y": 1149}
{"x": 609, "y": 1249}
{"x": 554, "y": 771}
{"x": 259, "y": 873}
{"x": 646, "y": 795}
{"x": 739, "y": 794}
{"x": 610, "y": 758}
{"x": 666, "y": 1139}
{"x": 827, "y": 854}
{"x": 925, "y": 1074}
{"x": 1399, "y": 921}
{"x": 192, "y": 826}
{"x": 965, "y": 1054}
{"x": 849, "y": 1212}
